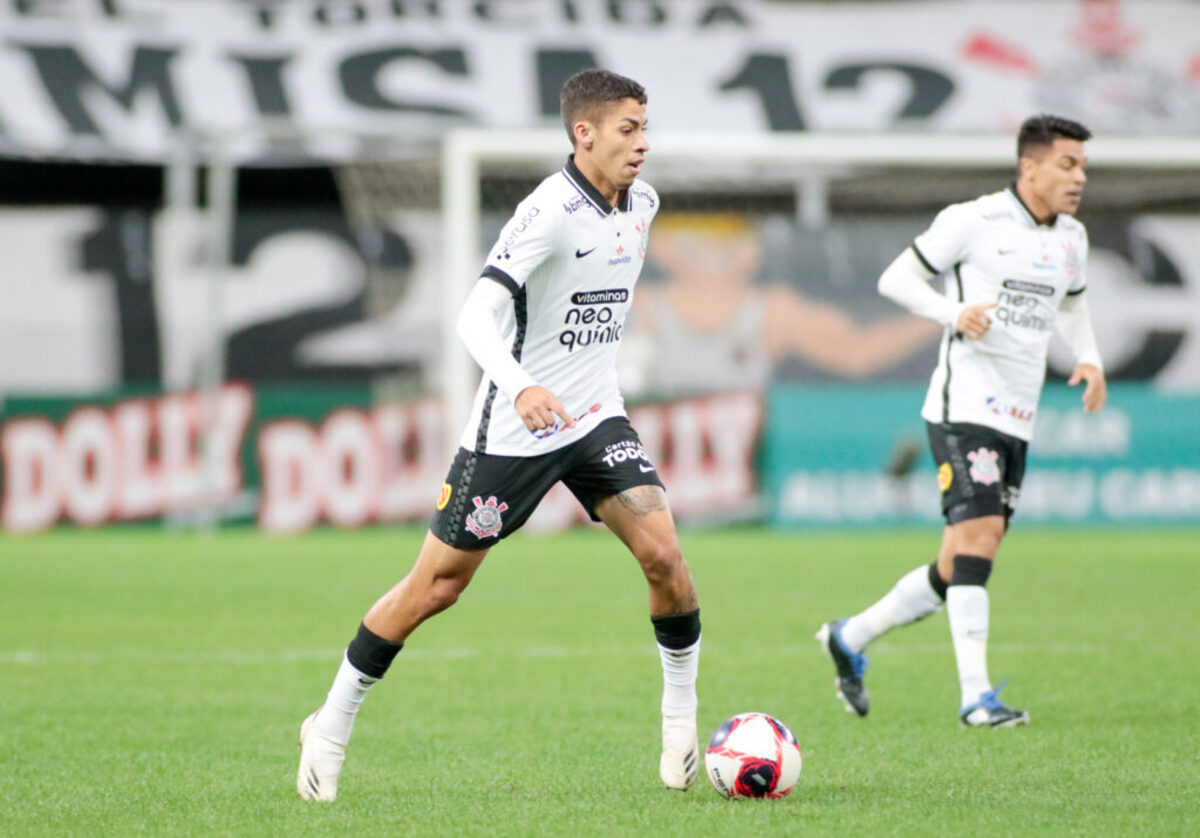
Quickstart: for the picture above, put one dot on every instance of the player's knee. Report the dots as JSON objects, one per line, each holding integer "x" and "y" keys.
{"x": 660, "y": 561}
{"x": 444, "y": 592}
{"x": 979, "y": 536}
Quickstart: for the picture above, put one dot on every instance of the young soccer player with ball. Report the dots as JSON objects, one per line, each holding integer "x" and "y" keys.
{"x": 544, "y": 322}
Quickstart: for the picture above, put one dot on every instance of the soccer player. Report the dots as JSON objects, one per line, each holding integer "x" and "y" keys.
{"x": 544, "y": 322}
{"x": 1014, "y": 268}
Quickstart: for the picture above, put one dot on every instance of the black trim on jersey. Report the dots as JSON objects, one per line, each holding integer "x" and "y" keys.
{"x": 485, "y": 418}
{"x": 1079, "y": 291}
{"x": 591, "y": 193}
{"x": 521, "y": 309}
{"x": 924, "y": 261}
{"x": 1012, "y": 190}
{"x": 492, "y": 272}
{"x": 950, "y": 338}
{"x": 521, "y": 312}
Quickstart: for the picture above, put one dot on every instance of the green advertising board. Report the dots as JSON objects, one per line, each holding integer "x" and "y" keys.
{"x": 857, "y": 455}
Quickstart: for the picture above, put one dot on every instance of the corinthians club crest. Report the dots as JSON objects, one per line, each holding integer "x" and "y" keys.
{"x": 983, "y": 466}
{"x": 485, "y": 520}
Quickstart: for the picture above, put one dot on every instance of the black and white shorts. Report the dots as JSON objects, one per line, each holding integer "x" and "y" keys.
{"x": 487, "y": 497}
{"x": 979, "y": 470}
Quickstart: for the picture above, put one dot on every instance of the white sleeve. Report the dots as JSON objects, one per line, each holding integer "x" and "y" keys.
{"x": 479, "y": 328}
{"x": 906, "y": 282}
{"x": 527, "y": 240}
{"x": 1074, "y": 322}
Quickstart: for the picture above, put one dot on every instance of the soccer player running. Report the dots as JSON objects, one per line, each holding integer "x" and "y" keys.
{"x": 544, "y": 322}
{"x": 1013, "y": 263}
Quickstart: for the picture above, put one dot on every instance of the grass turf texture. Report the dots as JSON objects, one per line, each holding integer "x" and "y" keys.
{"x": 152, "y": 683}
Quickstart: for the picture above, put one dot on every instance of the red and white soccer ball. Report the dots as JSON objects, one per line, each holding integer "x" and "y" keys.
{"x": 752, "y": 755}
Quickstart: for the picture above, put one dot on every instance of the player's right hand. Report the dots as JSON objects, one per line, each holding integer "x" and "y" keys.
{"x": 538, "y": 408}
{"x": 973, "y": 321}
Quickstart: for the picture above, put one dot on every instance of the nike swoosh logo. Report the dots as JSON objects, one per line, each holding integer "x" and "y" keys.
{"x": 579, "y": 254}
{"x": 645, "y": 469}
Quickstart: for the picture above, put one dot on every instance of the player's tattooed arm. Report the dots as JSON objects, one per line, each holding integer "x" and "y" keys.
{"x": 642, "y": 500}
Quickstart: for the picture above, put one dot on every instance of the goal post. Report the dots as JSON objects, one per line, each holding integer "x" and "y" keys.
{"x": 863, "y": 173}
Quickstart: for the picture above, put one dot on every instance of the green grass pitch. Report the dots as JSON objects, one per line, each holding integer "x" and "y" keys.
{"x": 152, "y": 683}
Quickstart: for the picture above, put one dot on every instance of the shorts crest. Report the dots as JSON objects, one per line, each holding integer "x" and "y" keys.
{"x": 983, "y": 466}
{"x": 485, "y": 520}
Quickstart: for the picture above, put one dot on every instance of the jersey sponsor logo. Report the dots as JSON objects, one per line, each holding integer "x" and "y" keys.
{"x": 595, "y": 298}
{"x": 444, "y": 496}
{"x": 1020, "y": 311}
{"x": 945, "y": 476}
{"x": 485, "y": 520}
{"x": 645, "y": 194}
{"x": 599, "y": 326}
{"x": 523, "y": 224}
{"x": 984, "y": 469}
{"x": 542, "y": 433}
{"x": 1029, "y": 287}
{"x": 1023, "y": 414}
{"x": 576, "y": 203}
{"x": 621, "y": 258}
{"x": 624, "y": 451}
{"x": 579, "y": 254}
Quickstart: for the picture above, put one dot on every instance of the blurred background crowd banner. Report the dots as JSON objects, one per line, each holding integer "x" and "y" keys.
{"x": 225, "y": 251}
{"x": 105, "y": 77}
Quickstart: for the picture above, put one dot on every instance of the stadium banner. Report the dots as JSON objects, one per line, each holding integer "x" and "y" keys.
{"x": 120, "y": 79}
{"x": 290, "y": 458}
{"x": 106, "y": 298}
{"x": 848, "y": 455}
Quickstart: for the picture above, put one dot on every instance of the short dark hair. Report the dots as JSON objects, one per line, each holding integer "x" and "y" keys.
{"x": 588, "y": 91}
{"x": 1043, "y": 129}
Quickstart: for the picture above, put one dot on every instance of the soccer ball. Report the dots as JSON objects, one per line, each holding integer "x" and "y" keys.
{"x": 752, "y": 755}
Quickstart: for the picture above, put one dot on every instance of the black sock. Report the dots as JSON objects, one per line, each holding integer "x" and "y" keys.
{"x": 677, "y": 631}
{"x": 370, "y": 654}
{"x": 971, "y": 570}
{"x": 937, "y": 582}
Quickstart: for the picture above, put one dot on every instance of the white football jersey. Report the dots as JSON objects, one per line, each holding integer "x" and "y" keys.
{"x": 571, "y": 261}
{"x": 993, "y": 249}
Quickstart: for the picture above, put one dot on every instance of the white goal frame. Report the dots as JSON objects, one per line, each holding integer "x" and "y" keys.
{"x": 812, "y": 158}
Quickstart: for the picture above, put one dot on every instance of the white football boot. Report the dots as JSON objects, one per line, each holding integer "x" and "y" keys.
{"x": 320, "y": 763}
{"x": 680, "y": 762}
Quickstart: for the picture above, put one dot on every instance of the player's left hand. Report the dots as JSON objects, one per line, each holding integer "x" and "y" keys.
{"x": 1095, "y": 391}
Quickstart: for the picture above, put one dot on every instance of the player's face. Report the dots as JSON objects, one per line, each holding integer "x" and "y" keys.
{"x": 1056, "y": 178}
{"x": 611, "y": 151}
